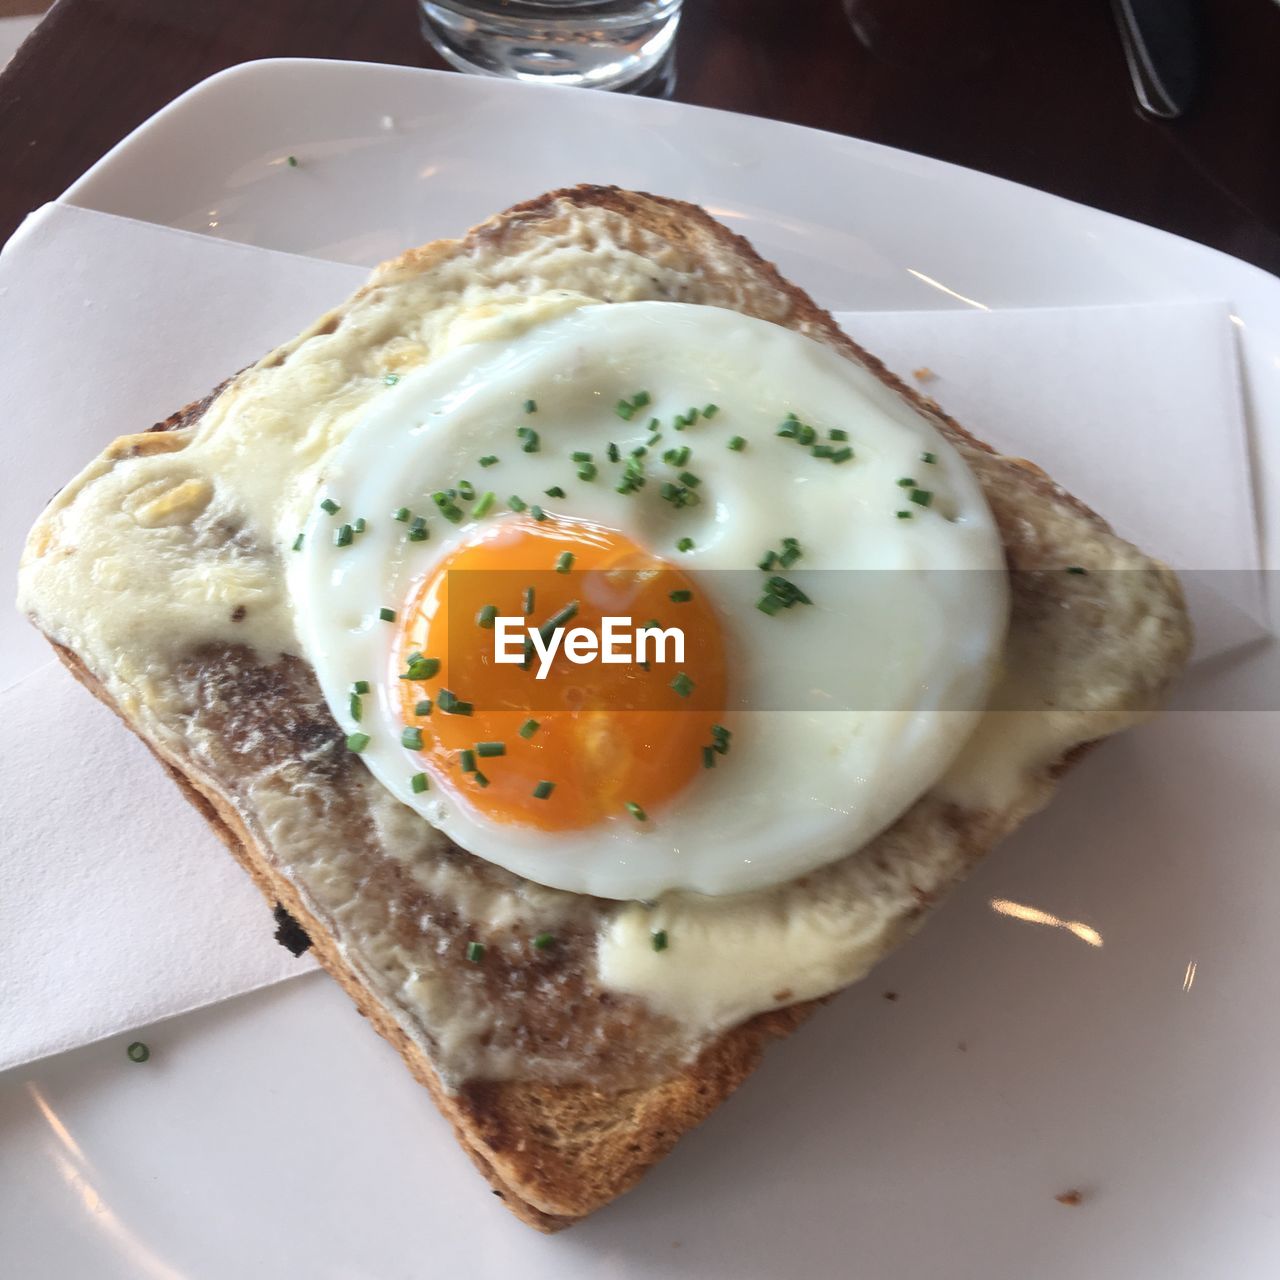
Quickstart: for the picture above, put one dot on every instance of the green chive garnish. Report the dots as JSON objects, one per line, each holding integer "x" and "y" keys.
{"x": 401, "y": 514}
{"x": 904, "y": 515}
{"x": 710, "y": 411}
{"x": 293, "y": 164}
{"x": 737, "y": 444}
{"x": 922, "y": 497}
{"x": 517, "y": 504}
{"x": 537, "y": 512}
{"x": 452, "y": 705}
{"x": 531, "y": 440}
{"x": 466, "y": 490}
{"x": 479, "y": 779}
{"x": 489, "y": 750}
{"x": 531, "y": 406}
{"x": 636, "y": 811}
{"x": 842, "y": 455}
{"x": 564, "y": 562}
{"x": 1075, "y": 568}
{"x": 488, "y": 460}
{"x": 484, "y": 504}
{"x": 659, "y": 939}
{"x": 580, "y": 455}
{"x": 475, "y": 952}
{"x": 682, "y": 685}
{"x": 708, "y": 757}
{"x": 360, "y": 524}
{"x": 526, "y": 600}
{"x": 543, "y": 789}
{"x": 837, "y": 434}
{"x": 137, "y": 1051}
{"x": 360, "y": 686}
{"x": 344, "y": 536}
{"x": 387, "y": 615}
{"x": 422, "y": 707}
{"x": 688, "y": 478}
{"x": 330, "y": 506}
{"x": 679, "y": 597}
{"x": 612, "y": 451}
{"x": 411, "y": 738}
{"x": 421, "y": 668}
{"x": 625, "y": 410}
{"x": 357, "y": 742}
{"x": 543, "y": 941}
{"x": 486, "y": 616}
{"x": 355, "y": 707}
{"x": 554, "y": 492}
{"x": 297, "y": 543}
{"x": 677, "y": 457}
{"x": 588, "y": 471}
{"x": 419, "y": 783}
{"x": 907, "y": 482}
{"x": 685, "y": 544}
{"x": 418, "y": 529}
{"x": 928, "y": 457}
{"x": 640, "y": 399}
{"x": 528, "y": 729}
{"x": 467, "y": 760}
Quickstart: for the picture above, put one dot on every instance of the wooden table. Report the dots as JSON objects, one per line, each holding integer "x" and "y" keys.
{"x": 1051, "y": 106}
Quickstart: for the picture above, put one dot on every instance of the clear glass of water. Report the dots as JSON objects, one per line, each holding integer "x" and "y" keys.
{"x": 602, "y": 44}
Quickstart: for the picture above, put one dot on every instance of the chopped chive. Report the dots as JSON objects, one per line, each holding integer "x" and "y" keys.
{"x": 677, "y": 457}
{"x": 418, "y": 530}
{"x": 531, "y": 442}
{"x": 359, "y": 686}
{"x": 1075, "y": 568}
{"x": 355, "y": 707}
{"x": 466, "y": 490}
{"x": 737, "y": 444}
{"x": 688, "y": 478}
{"x": 564, "y": 562}
{"x": 517, "y": 504}
{"x": 297, "y": 543}
{"x": 685, "y": 544}
{"x": 588, "y": 471}
{"x": 418, "y": 783}
{"x": 293, "y": 164}
{"x": 387, "y": 615}
{"x": 475, "y": 952}
{"x": 537, "y": 512}
{"x": 708, "y": 757}
{"x": 822, "y": 451}
{"x": 528, "y": 729}
{"x": 904, "y": 515}
{"x": 558, "y": 619}
{"x": 928, "y": 457}
{"x": 401, "y": 514}
{"x": 842, "y": 455}
{"x": 479, "y": 779}
{"x": 486, "y": 616}
{"x": 580, "y": 455}
{"x": 710, "y": 411}
{"x": 448, "y": 508}
{"x": 452, "y": 705}
{"x": 679, "y": 597}
{"x": 391, "y": 379}
{"x": 640, "y": 399}
{"x": 907, "y": 482}
{"x": 543, "y": 941}
{"x": 787, "y": 429}
{"x": 422, "y": 707}
{"x": 411, "y": 738}
{"x": 922, "y": 497}
{"x": 484, "y": 504}
{"x": 489, "y": 459}
{"x": 526, "y": 600}
{"x": 837, "y": 434}
{"x": 330, "y": 506}
{"x": 543, "y": 789}
{"x": 137, "y": 1051}
{"x": 467, "y": 760}
{"x": 682, "y": 685}
{"x": 659, "y": 939}
{"x": 360, "y": 524}
{"x": 625, "y": 410}
{"x": 489, "y": 750}
{"x": 554, "y": 492}
{"x": 531, "y": 406}
{"x": 612, "y": 452}
{"x": 636, "y": 811}
{"x": 344, "y": 537}
{"x": 357, "y": 742}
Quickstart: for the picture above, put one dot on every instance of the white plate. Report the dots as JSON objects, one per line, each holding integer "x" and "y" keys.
{"x": 927, "y": 1136}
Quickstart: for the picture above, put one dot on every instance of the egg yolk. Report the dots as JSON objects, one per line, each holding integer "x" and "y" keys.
{"x": 591, "y": 741}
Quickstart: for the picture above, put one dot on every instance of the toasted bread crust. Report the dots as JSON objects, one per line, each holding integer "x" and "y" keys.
{"x": 554, "y": 1153}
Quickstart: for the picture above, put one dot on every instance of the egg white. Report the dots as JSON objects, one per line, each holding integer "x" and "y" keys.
{"x": 802, "y": 785}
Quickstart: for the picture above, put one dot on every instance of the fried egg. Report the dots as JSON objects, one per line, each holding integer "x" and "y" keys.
{"x": 827, "y": 557}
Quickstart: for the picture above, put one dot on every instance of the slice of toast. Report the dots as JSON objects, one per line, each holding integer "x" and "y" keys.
{"x": 572, "y": 1132}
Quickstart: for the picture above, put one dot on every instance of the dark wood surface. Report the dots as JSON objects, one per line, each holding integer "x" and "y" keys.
{"x": 1047, "y": 104}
